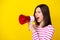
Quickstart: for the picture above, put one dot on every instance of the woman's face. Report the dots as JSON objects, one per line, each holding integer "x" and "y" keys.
{"x": 39, "y": 15}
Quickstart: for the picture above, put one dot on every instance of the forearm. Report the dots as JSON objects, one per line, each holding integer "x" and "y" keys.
{"x": 35, "y": 36}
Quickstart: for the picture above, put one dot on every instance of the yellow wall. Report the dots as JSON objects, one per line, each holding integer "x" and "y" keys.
{"x": 11, "y": 29}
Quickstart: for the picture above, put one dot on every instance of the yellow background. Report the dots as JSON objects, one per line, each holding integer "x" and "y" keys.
{"x": 11, "y": 29}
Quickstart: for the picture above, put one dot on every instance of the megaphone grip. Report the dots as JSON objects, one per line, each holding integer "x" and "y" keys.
{"x": 32, "y": 18}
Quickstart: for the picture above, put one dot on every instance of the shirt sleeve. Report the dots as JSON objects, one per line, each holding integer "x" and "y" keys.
{"x": 35, "y": 36}
{"x": 48, "y": 34}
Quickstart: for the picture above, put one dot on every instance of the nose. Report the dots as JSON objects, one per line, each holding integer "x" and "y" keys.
{"x": 36, "y": 15}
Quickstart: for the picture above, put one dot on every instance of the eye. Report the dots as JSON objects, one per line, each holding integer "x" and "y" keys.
{"x": 38, "y": 11}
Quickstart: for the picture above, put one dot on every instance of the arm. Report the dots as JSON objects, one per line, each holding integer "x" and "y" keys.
{"x": 35, "y": 36}
{"x": 34, "y": 33}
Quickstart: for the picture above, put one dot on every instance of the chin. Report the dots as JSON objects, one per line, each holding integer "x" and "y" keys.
{"x": 38, "y": 21}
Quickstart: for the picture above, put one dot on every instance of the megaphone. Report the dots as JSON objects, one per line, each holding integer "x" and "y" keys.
{"x": 24, "y": 19}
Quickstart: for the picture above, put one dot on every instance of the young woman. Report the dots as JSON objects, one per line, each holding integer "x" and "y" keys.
{"x": 43, "y": 29}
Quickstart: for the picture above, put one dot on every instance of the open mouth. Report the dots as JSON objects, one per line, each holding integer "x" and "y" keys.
{"x": 37, "y": 18}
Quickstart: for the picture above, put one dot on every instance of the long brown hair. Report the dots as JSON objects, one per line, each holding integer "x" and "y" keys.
{"x": 46, "y": 14}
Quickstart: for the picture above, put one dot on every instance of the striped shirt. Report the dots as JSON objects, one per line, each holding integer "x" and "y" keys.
{"x": 45, "y": 33}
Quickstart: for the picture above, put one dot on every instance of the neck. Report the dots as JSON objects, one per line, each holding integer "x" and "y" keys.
{"x": 41, "y": 24}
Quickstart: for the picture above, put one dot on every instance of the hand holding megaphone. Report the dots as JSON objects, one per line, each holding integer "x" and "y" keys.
{"x": 24, "y": 19}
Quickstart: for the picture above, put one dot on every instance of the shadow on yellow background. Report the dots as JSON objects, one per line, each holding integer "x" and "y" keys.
{"x": 11, "y": 29}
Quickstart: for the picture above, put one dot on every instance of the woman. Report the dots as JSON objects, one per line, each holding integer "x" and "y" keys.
{"x": 43, "y": 29}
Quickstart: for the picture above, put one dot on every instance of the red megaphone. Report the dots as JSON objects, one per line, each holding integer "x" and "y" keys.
{"x": 24, "y": 19}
